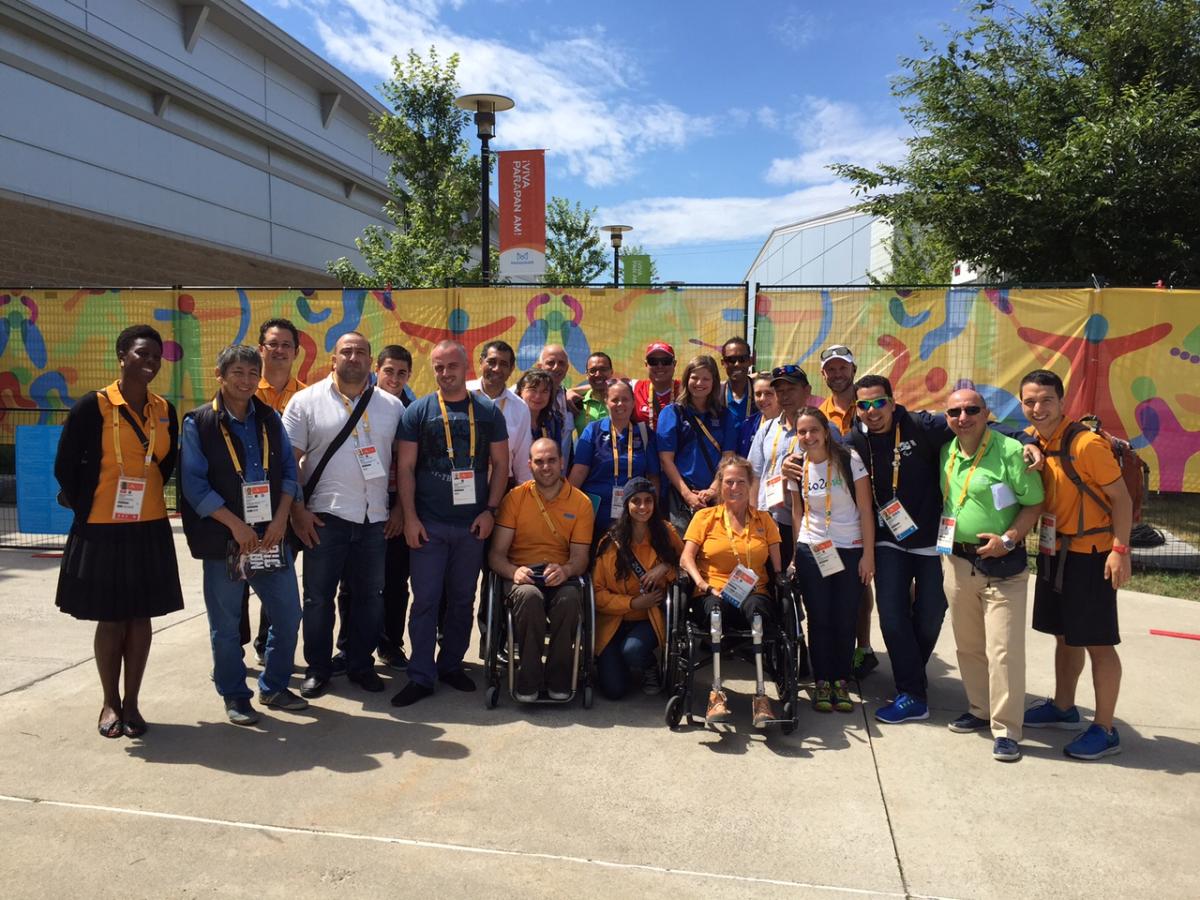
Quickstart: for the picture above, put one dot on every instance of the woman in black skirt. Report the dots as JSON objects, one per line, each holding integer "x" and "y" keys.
{"x": 117, "y": 450}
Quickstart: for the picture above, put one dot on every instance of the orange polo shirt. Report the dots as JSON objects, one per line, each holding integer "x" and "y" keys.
{"x": 1096, "y": 465}
{"x": 614, "y": 595}
{"x": 840, "y": 419}
{"x": 717, "y": 557}
{"x": 277, "y": 400}
{"x": 156, "y": 417}
{"x": 535, "y": 540}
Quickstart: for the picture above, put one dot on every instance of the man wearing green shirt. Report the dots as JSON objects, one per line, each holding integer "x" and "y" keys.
{"x": 990, "y": 501}
{"x": 592, "y": 407}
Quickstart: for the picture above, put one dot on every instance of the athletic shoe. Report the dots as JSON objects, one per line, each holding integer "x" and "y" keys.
{"x": 525, "y": 698}
{"x": 718, "y": 708}
{"x": 558, "y": 695}
{"x": 841, "y": 697}
{"x": 905, "y": 708}
{"x": 763, "y": 710}
{"x": 651, "y": 681}
{"x": 1094, "y": 743}
{"x": 823, "y": 697}
{"x": 1006, "y": 750}
{"x": 240, "y": 712}
{"x": 284, "y": 699}
{"x": 397, "y": 662}
{"x": 1044, "y": 714}
{"x": 865, "y": 662}
{"x": 966, "y": 723}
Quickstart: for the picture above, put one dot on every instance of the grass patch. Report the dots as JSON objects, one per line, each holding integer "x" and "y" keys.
{"x": 1185, "y": 585}
{"x": 1176, "y": 513}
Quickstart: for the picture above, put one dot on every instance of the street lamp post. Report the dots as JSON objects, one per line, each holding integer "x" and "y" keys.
{"x": 615, "y": 232}
{"x": 485, "y": 107}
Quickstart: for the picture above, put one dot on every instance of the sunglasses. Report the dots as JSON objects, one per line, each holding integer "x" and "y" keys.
{"x": 835, "y": 351}
{"x": 660, "y": 361}
{"x": 736, "y": 358}
{"x": 877, "y": 403}
{"x": 788, "y": 371}
{"x": 955, "y": 411}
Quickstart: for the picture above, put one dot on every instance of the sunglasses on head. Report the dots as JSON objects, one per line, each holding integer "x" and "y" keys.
{"x": 877, "y": 403}
{"x": 660, "y": 361}
{"x": 835, "y": 351}
{"x": 788, "y": 371}
{"x": 955, "y": 411}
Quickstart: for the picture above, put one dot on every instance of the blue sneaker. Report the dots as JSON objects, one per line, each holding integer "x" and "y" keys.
{"x": 966, "y": 723}
{"x": 1094, "y": 743}
{"x": 1044, "y": 714}
{"x": 905, "y": 708}
{"x": 1006, "y": 750}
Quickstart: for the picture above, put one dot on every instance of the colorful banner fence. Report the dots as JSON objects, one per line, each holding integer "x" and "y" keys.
{"x": 1130, "y": 356}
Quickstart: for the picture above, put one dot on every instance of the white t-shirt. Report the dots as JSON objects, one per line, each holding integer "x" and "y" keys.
{"x": 520, "y": 434}
{"x": 844, "y": 527}
{"x": 312, "y": 419}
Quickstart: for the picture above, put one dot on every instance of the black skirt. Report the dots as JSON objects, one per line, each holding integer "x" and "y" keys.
{"x": 113, "y": 573}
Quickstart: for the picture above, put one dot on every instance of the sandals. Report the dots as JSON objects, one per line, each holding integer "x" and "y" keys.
{"x": 114, "y": 729}
{"x": 134, "y": 729}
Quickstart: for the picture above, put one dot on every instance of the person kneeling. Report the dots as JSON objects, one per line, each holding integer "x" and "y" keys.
{"x": 541, "y": 542}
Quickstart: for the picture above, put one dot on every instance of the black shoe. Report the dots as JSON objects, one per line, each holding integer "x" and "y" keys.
{"x": 410, "y": 694}
{"x": 459, "y": 680}
{"x": 397, "y": 660}
{"x": 865, "y": 662}
{"x": 337, "y": 665}
{"x": 313, "y": 686}
{"x": 367, "y": 680}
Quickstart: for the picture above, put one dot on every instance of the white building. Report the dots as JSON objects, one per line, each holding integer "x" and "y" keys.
{"x": 839, "y": 248}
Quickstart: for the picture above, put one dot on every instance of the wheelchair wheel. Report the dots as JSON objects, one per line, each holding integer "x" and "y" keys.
{"x": 674, "y": 710}
{"x": 491, "y": 696}
{"x": 587, "y": 696}
{"x": 789, "y": 713}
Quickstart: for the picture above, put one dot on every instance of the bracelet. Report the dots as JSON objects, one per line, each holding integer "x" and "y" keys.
{"x": 492, "y": 510}
{"x": 1122, "y": 549}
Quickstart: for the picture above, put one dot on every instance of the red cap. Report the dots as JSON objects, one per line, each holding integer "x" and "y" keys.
{"x": 661, "y": 346}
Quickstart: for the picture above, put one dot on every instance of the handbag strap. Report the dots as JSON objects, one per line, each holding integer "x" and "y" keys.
{"x": 359, "y": 408}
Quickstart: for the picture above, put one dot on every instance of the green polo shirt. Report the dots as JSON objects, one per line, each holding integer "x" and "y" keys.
{"x": 592, "y": 409}
{"x": 998, "y": 489}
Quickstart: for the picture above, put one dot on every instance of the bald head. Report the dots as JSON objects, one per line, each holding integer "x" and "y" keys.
{"x": 545, "y": 461}
{"x": 553, "y": 359}
{"x": 449, "y": 359}
{"x": 967, "y": 416}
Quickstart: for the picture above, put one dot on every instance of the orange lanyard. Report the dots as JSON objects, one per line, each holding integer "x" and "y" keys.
{"x": 616, "y": 452}
{"x": 895, "y": 461}
{"x": 116, "y": 420}
{"x": 708, "y": 434}
{"x": 537, "y": 495}
{"x": 366, "y": 419}
{"x": 746, "y": 531}
{"x": 471, "y": 448}
{"x": 229, "y": 443}
{"x": 962, "y": 498}
{"x": 828, "y": 493}
{"x": 788, "y": 451}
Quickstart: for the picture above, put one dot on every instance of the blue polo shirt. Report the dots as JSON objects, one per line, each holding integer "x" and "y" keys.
{"x": 595, "y": 451}
{"x": 695, "y": 456}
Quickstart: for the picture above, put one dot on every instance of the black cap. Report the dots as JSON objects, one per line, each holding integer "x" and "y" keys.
{"x": 638, "y": 485}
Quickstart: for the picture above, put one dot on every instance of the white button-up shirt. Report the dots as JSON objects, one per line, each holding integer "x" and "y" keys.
{"x": 520, "y": 429}
{"x": 313, "y": 419}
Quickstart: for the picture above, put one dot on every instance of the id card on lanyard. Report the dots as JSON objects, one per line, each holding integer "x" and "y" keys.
{"x": 366, "y": 455}
{"x": 131, "y": 491}
{"x": 893, "y": 514}
{"x": 256, "y": 495}
{"x": 774, "y": 492}
{"x": 618, "y": 492}
{"x": 947, "y": 525}
{"x": 462, "y": 480}
{"x": 1047, "y": 533}
{"x": 743, "y": 579}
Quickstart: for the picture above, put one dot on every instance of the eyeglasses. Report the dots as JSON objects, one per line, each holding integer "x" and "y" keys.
{"x": 877, "y": 403}
{"x": 736, "y": 358}
{"x": 279, "y": 345}
{"x": 789, "y": 371}
{"x": 659, "y": 361}
{"x": 835, "y": 351}
{"x": 955, "y": 411}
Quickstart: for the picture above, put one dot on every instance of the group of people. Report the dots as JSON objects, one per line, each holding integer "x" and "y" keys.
{"x": 732, "y": 482}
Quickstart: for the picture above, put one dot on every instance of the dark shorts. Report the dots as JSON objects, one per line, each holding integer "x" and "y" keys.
{"x": 1085, "y": 612}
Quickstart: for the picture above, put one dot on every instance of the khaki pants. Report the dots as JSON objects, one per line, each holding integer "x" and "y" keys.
{"x": 532, "y": 607}
{"x": 988, "y": 618}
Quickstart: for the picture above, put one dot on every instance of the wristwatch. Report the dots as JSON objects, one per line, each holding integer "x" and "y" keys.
{"x": 1009, "y": 544}
{"x": 492, "y": 510}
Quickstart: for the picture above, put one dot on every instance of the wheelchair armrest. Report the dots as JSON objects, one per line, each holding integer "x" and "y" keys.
{"x": 683, "y": 581}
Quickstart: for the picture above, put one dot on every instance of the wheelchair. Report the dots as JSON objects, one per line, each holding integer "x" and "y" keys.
{"x": 502, "y": 656}
{"x": 689, "y": 648}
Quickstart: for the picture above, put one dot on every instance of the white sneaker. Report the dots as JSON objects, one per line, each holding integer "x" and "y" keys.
{"x": 525, "y": 698}
{"x": 559, "y": 695}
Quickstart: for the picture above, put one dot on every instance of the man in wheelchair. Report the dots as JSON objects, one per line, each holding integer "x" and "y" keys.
{"x": 541, "y": 543}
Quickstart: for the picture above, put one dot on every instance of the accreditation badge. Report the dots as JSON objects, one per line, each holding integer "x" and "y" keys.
{"x": 256, "y": 502}
{"x": 829, "y": 561}
{"x": 618, "y": 502}
{"x": 897, "y": 519}
{"x": 741, "y": 585}
{"x": 774, "y": 493}
{"x": 127, "y": 507}
{"x": 462, "y": 487}
{"x": 368, "y": 461}
{"x": 1047, "y": 533}
{"x": 945, "y": 537}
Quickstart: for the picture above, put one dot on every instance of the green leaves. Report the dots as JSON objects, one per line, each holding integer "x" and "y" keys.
{"x": 574, "y": 251}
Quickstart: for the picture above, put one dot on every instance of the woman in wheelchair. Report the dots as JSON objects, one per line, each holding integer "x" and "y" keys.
{"x": 634, "y": 567}
{"x": 833, "y": 518}
{"x": 726, "y": 553}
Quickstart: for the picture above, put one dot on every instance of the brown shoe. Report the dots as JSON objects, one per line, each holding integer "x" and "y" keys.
{"x": 718, "y": 711}
{"x": 764, "y": 711}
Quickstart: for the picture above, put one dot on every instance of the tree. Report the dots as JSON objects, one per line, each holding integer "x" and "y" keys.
{"x": 637, "y": 250}
{"x": 574, "y": 252}
{"x": 1054, "y": 142}
{"x": 917, "y": 257}
{"x": 434, "y": 180}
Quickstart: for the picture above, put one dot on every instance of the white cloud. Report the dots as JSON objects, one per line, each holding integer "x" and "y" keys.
{"x": 572, "y": 91}
{"x": 828, "y": 132}
{"x": 795, "y": 29}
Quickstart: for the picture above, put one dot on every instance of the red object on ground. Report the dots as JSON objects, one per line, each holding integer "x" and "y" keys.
{"x": 47, "y": 555}
{"x": 1176, "y": 634}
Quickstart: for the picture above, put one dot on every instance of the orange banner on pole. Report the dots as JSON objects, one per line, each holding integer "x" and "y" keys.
{"x": 522, "y": 177}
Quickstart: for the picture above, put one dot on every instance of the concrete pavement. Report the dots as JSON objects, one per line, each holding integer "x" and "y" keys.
{"x": 354, "y": 798}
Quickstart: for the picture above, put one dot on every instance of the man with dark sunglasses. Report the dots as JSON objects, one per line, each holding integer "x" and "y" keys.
{"x": 738, "y": 359}
{"x": 658, "y": 389}
{"x": 901, "y": 451}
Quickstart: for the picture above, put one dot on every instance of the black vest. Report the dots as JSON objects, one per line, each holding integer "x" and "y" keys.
{"x": 207, "y": 538}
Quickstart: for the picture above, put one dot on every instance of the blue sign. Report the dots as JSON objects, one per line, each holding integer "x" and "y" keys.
{"x": 38, "y": 511}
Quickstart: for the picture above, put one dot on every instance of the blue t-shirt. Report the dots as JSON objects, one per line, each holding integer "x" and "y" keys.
{"x": 743, "y": 408}
{"x": 695, "y": 456}
{"x": 594, "y": 450}
{"x": 422, "y": 424}
{"x": 746, "y": 432}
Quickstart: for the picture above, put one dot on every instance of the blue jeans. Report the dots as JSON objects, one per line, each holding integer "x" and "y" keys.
{"x": 354, "y": 552}
{"x": 910, "y": 624}
{"x": 449, "y": 562}
{"x": 223, "y": 600}
{"x": 631, "y": 649}
{"x": 832, "y": 605}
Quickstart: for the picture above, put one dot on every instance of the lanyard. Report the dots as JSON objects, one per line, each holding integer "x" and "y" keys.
{"x": 229, "y": 444}
{"x": 616, "y": 452}
{"x": 116, "y": 419}
{"x": 654, "y": 406}
{"x": 788, "y": 451}
{"x": 828, "y": 493}
{"x": 895, "y": 462}
{"x": 537, "y": 495}
{"x": 470, "y": 428}
{"x": 962, "y": 497}
{"x": 730, "y": 534}
{"x": 708, "y": 434}
{"x": 366, "y": 419}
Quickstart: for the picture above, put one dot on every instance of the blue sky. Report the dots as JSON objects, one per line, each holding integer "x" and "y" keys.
{"x": 701, "y": 124}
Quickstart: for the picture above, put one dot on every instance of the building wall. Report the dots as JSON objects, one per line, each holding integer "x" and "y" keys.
{"x": 237, "y": 158}
{"x": 841, "y": 249}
